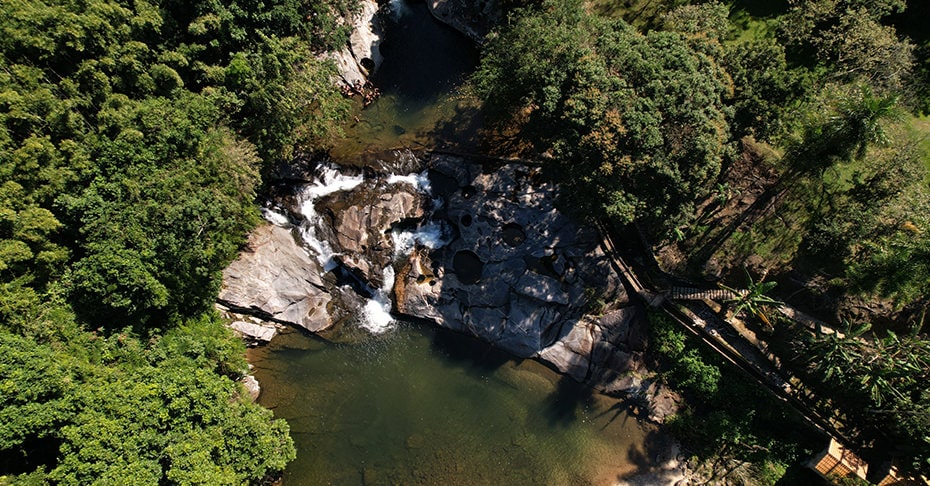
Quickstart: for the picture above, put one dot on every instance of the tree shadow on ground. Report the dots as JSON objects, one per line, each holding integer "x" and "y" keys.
{"x": 635, "y": 406}
{"x": 657, "y": 461}
{"x": 471, "y": 130}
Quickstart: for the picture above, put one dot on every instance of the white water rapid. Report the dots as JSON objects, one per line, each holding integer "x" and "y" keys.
{"x": 431, "y": 235}
{"x": 375, "y": 314}
{"x": 330, "y": 181}
{"x": 276, "y": 217}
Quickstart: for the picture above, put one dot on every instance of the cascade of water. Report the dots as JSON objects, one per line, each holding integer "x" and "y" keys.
{"x": 420, "y": 181}
{"x": 276, "y": 217}
{"x": 431, "y": 235}
{"x": 330, "y": 181}
{"x": 376, "y": 315}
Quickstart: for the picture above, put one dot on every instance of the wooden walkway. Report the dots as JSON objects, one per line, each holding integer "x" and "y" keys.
{"x": 715, "y": 335}
{"x": 717, "y": 295}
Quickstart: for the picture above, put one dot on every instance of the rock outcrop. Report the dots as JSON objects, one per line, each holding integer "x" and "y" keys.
{"x": 519, "y": 274}
{"x": 474, "y": 18}
{"x": 506, "y": 265}
{"x": 362, "y": 57}
{"x": 276, "y": 279}
{"x": 261, "y": 333}
{"x": 252, "y": 386}
{"x": 358, "y": 224}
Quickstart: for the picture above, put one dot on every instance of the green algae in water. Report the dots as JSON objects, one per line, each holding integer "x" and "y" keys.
{"x": 426, "y": 406}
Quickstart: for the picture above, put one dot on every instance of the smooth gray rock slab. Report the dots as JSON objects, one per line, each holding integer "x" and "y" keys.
{"x": 542, "y": 288}
{"x": 276, "y": 278}
{"x": 571, "y": 355}
{"x": 254, "y": 331}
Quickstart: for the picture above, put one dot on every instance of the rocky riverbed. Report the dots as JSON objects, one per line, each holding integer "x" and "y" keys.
{"x": 478, "y": 248}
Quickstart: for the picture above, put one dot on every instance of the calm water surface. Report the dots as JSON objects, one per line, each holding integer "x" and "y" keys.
{"x": 426, "y": 406}
{"x": 425, "y": 62}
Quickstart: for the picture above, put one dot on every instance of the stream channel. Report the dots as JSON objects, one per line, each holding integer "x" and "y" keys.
{"x": 415, "y": 404}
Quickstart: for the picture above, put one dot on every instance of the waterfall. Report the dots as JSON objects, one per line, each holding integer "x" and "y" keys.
{"x": 420, "y": 181}
{"x": 276, "y": 217}
{"x": 431, "y": 235}
{"x": 330, "y": 181}
{"x": 376, "y": 315}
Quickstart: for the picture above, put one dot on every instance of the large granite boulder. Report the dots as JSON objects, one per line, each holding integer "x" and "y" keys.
{"x": 601, "y": 352}
{"x": 519, "y": 274}
{"x": 362, "y": 56}
{"x": 358, "y": 225}
{"x": 276, "y": 279}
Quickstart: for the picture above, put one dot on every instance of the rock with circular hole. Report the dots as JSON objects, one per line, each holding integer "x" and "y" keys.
{"x": 528, "y": 267}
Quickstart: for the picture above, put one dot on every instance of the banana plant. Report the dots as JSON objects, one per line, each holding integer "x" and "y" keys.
{"x": 753, "y": 299}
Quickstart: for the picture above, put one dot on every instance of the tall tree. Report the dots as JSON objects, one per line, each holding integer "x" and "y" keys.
{"x": 849, "y": 35}
{"x": 637, "y": 120}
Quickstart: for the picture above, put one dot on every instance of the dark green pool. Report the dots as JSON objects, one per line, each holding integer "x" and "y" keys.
{"x": 425, "y": 406}
{"x": 425, "y": 62}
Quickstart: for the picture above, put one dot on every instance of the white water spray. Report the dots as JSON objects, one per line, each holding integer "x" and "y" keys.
{"x": 376, "y": 315}
{"x": 330, "y": 181}
{"x": 420, "y": 181}
{"x": 431, "y": 235}
{"x": 276, "y": 217}
{"x": 399, "y": 8}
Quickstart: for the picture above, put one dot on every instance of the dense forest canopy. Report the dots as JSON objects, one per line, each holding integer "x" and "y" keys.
{"x": 132, "y": 138}
{"x": 637, "y": 118}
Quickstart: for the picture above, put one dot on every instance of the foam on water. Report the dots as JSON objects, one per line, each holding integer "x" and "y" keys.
{"x": 420, "y": 181}
{"x": 329, "y": 182}
{"x": 276, "y": 217}
{"x": 431, "y": 235}
{"x": 376, "y": 314}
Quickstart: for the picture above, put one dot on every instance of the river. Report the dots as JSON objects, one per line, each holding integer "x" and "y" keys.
{"x": 417, "y": 404}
